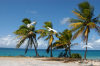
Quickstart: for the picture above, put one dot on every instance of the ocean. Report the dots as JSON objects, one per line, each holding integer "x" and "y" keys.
{"x": 91, "y": 54}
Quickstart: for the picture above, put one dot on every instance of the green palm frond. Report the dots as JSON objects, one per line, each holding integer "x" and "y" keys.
{"x": 91, "y": 25}
{"x": 21, "y": 32}
{"x": 84, "y": 5}
{"x": 21, "y": 41}
{"x": 48, "y": 24}
{"x": 74, "y": 20}
{"x": 97, "y": 29}
{"x": 48, "y": 37}
{"x": 78, "y": 33}
{"x": 64, "y": 40}
{"x": 96, "y": 19}
{"x": 79, "y": 15}
{"x": 57, "y": 44}
{"x": 26, "y": 21}
{"x": 85, "y": 33}
{"x": 23, "y": 27}
{"x": 86, "y": 9}
{"x": 26, "y": 33}
{"x": 74, "y": 25}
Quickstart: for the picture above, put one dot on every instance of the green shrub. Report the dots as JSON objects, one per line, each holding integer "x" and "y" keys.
{"x": 76, "y": 55}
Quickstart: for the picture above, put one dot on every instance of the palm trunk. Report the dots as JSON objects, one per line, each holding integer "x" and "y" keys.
{"x": 37, "y": 55}
{"x": 66, "y": 55}
{"x": 85, "y": 51}
{"x": 86, "y": 47}
{"x": 69, "y": 52}
{"x": 51, "y": 50}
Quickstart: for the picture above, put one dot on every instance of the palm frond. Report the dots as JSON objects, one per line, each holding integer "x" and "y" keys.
{"x": 47, "y": 38}
{"x": 74, "y": 25}
{"x": 79, "y": 15}
{"x": 86, "y": 10}
{"x": 91, "y": 25}
{"x": 21, "y": 32}
{"x": 78, "y": 33}
{"x": 26, "y": 21}
{"x": 96, "y": 19}
{"x": 21, "y": 41}
{"x": 48, "y": 24}
{"x": 74, "y": 20}
{"x": 98, "y": 29}
{"x": 42, "y": 33}
{"x": 84, "y": 5}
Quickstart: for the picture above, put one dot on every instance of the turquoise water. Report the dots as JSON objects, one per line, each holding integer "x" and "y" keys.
{"x": 91, "y": 54}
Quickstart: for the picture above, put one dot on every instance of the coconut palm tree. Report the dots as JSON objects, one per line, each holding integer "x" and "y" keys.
{"x": 27, "y": 33}
{"x": 49, "y": 33}
{"x": 64, "y": 41}
{"x": 85, "y": 22}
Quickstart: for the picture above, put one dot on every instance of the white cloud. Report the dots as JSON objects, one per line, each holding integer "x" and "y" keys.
{"x": 95, "y": 43}
{"x": 8, "y": 41}
{"x": 42, "y": 44}
{"x": 11, "y": 41}
{"x": 65, "y": 20}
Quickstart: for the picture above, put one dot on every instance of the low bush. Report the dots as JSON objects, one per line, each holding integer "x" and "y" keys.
{"x": 76, "y": 55}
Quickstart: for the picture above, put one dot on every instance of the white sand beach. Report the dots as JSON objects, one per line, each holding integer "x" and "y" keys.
{"x": 27, "y": 61}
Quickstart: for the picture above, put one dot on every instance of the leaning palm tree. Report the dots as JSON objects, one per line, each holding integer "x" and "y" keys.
{"x": 64, "y": 41}
{"x": 49, "y": 33}
{"x": 85, "y": 22}
{"x": 26, "y": 32}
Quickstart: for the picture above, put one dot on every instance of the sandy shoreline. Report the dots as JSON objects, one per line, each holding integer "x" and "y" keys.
{"x": 29, "y": 61}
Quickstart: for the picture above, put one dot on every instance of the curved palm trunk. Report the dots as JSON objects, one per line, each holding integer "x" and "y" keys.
{"x": 86, "y": 47}
{"x": 85, "y": 50}
{"x": 69, "y": 52}
{"x": 37, "y": 55}
{"x": 51, "y": 51}
{"x": 66, "y": 55}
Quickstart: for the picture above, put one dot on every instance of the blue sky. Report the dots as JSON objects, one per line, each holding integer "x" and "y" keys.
{"x": 13, "y": 11}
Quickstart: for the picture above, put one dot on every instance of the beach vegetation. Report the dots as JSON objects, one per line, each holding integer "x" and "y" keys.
{"x": 48, "y": 34}
{"x": 85, "y": 22}
{"x": 64, "y": 42}
{"x": 28, "y": 34}
{"x": 76, "y": 55}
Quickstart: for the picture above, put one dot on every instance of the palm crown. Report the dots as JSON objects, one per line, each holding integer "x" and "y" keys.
{"x": 85, "y": 21}
{"x": 64, "y": 41}
{"x": 48, "y": 34}
{"x": 27, "y": 33}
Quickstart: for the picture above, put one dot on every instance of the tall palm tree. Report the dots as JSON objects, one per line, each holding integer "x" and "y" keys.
{"x": 85, "y": 22}
{"x": 25, "y": 33}
{"x": 49, "y": 34}
{"x": 64, "y": 41}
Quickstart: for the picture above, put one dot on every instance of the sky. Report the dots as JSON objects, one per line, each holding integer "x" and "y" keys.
{"x": 57, "y": 11}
